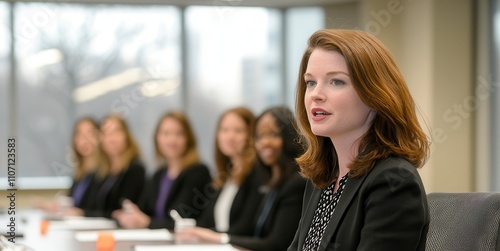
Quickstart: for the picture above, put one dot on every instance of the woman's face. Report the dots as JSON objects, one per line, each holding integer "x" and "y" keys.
{"x": 268, "y": 140}
{"x": 333, "y": 106}
{"x": 171, "y": 139}
{"x": 86, "y": 138}
{"x": 232, "y": 135}
{"x": 114, "y": 140}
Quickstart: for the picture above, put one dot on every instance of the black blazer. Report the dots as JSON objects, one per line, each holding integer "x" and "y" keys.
{"x": 384, "y": 210}
{"x": 279, "y": 228}
{"x": 243, "y": 210}
{"x": 184, "y": 194}
{"x": 88, "y": 196}
{"x": 128, "y": 185}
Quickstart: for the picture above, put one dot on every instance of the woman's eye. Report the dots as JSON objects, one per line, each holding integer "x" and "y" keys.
{"x": 338, "y": 82}
{"x": 310, "y": 83}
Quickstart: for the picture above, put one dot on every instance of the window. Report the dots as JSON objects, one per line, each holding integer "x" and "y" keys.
{"x": 4, "y": 80}
{"x": 81, "y": 60}
{"x": 301, "y": 24}
{"x": 76, "y": 60}
{"x": 234, "y": 60}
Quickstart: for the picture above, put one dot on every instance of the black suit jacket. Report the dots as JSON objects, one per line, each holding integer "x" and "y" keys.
{"x": 186, "y": 195}
{"x": 282, "y": 221}
{"x": 384, "y": 210}
{"x": 243, "y": 210}
{"x": 89, "y": 194}
{"x": 128, "y": 185}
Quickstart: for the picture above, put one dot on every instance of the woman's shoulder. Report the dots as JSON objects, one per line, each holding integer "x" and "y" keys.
{"x": 295, "y": 182}
{"x": 253, "y": 179}
{"x": 393, "y": 169}
{"x": 136, "y": 164}
{"x": 393, "y": 164}
{"x": 196, "y": 168}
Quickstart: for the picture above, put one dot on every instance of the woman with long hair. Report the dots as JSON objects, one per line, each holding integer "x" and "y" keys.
{"x": 178, "y": 180}
{"x": 277, "y": 218}
{"x": 86, "y": 154}
{"x": 236, "y": 194}
{"x": 364, "y": 145}
{"x": 121, "y": 173}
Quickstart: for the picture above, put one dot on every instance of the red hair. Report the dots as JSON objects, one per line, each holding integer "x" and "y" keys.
{"x": 380, "y": 85}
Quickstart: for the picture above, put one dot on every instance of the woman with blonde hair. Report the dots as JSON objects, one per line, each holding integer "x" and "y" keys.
{"x": 236, "y": 195}
{"x": 86, "y": 154}
{"x": 178, "y": 180}
{"x": 364, "y": 145}
{"x": 121, "y": 173}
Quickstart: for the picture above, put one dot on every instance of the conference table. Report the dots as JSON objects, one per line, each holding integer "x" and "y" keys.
{"x": 64, "y": 239}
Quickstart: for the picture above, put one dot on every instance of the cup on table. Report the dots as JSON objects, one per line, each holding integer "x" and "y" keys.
{"x": 183, "y": 224}
{"x": 63, "y": 203}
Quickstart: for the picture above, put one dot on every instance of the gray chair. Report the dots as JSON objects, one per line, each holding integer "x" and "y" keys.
{"x": 464, "y": 222}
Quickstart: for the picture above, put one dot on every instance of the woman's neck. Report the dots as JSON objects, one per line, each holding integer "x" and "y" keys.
{"x": 237, "y": 165}
{"x": 174, "y": 168}
{"x": 115, "y": 164}
{"x": 88, "y": 163}
{"x": 347, "y": 150}
{"x": 275, "y": 175}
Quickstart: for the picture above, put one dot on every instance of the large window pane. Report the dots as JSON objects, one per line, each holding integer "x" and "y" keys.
{"x": 234, "y": 59}
{"x": 4, "y": 80}
{"x": 301, "y": 23}
{"x": 81, "y": 60}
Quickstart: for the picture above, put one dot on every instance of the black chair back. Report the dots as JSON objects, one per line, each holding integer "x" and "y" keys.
{"x": 464, "y": 222}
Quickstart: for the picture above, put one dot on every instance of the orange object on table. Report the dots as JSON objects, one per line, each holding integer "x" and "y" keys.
{"x": 105, "y": 242}
{"x": 44, "y": 227}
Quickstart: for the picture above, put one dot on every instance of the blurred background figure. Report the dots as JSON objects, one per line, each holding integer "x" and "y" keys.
{"x": 178, "y": 180}
{"x": 277, "y": 218}
{"x": 121, "y": 173}
{"x": 236, "y": 183}
{"x": 86, "y": 154}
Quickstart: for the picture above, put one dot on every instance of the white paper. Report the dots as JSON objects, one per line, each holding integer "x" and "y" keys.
{"x": 128, "y": 235}
{"x": 82, "y": 223}
{"x": 199, "y": 247}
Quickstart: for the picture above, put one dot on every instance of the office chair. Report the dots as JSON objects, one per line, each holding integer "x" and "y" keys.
{"x": 464, "y": 222}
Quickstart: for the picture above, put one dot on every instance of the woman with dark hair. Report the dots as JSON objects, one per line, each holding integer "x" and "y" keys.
{"x": 178, "y": 180}
{"x": 364, "y": 145}
{"x": 276, "y": 143}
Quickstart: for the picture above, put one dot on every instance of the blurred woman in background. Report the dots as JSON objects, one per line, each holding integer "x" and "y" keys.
{"x": 236, "y": 197}
{"x": 121, "y": 172}
{"x": 276, "y": 142}
{"x": 85, "y": 145}
{"x": 178, "y": 179}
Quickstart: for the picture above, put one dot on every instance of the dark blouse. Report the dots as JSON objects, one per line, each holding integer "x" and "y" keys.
{"x": 323, "y": 214}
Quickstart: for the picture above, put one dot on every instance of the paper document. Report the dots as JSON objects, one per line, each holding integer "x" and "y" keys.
{"x": 128, "y": 235}
{"x": 199, "y": 247}
{"x": 82, "y": 224}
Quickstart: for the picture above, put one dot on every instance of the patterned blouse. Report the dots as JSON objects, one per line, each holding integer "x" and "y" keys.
{"x": 323, "y": 214}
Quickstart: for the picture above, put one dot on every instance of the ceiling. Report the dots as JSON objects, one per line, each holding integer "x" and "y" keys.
{"x": 220, "y": 3}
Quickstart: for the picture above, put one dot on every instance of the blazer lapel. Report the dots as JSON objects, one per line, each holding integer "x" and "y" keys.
{"x": 314, "y": 196}
{"x": 351, "y": 188}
